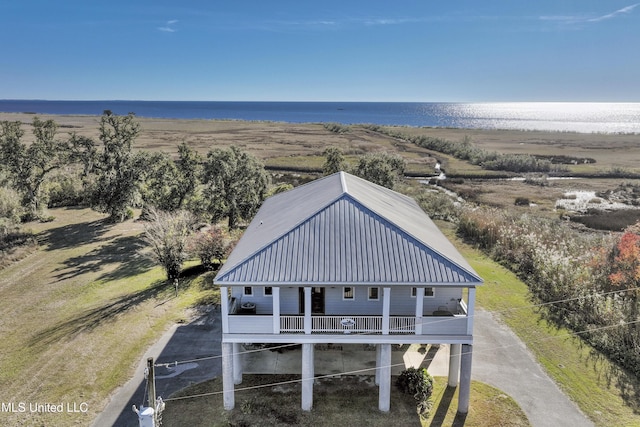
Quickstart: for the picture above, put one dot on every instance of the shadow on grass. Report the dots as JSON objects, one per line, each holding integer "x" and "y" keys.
{"x": 73, "y": 235}
{"x": 92, "y": 318}
{"x": 121, "y": 251}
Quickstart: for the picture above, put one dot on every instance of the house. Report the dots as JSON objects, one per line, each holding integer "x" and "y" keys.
{"x": 342, "y": 260}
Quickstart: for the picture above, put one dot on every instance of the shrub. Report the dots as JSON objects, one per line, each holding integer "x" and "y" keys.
{"x": 10, "y": 206}
{"x": 64, "y": 189}
{"x": 419, "y": 384}
{"x": 210, "y": 244}
{"x": 336, "y": 127}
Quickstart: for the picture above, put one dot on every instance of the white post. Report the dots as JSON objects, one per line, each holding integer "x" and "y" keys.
{"x": 307, "y": 310}
{"x": 378, "y": 358}
{"x": 227, "y": 376}
{"x": 454, "y": 365}
{"x": 419, "y": 309}
{"x": 275, "y": 295}
{"x": 307, "y": 376}
{"x": 224, "y": 308}
{"x": 386, "y": 304}
{"x": 470, "y": 310}
{"x": 464, "y": 392}
{"x": 384, "y": 398}
{"x": 237, "y": 364}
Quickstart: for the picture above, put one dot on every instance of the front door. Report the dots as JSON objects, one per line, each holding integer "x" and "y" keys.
{"x": 317, "y": 300}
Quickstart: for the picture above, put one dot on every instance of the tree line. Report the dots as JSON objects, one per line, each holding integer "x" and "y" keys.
{"x": 175, "y": 195}
{"x": 113, "y": 178}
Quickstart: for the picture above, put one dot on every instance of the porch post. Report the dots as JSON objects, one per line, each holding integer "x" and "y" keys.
{"x": 419, "y": 309}
{"x": 464, "y": 393}
{"x": 224, "y": 308}
{"x": 237, "y": 363}
{"x": 384, "y": 398}
{"x": 227, "y": 376}
{"x": 378, "y": 357}
{"x": 471, "y": 310}
{"x": 454, "y": 365}
{"x": 307, "y": 376}
{"x": 307, "y": 310}
{"x": 386, "y": 304}
{"x": 275, "y": 296}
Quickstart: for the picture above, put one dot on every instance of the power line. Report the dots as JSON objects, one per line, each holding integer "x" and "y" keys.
{"x": 568, "y": 334}
{"x": 446, "y": 319}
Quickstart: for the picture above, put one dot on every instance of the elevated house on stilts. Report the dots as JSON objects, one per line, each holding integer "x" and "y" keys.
{"x": 341, "y": 260}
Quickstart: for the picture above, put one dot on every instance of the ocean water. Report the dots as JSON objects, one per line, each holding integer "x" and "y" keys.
{"x": 547, "y": 116}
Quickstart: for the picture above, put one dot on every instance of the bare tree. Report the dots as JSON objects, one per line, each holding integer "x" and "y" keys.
{"x": 167, "y": 234}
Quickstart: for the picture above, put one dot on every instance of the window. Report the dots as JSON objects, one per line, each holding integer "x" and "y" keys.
{"x": 374, "y": 294}
{"x": 347, "y": 293}
{"x": 248, "y": 291}
{"x": 429, "y": 292}
{"x": 268, "y": 291}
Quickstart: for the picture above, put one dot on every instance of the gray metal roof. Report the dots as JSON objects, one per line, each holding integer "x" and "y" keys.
{"x": 345, "y": 230}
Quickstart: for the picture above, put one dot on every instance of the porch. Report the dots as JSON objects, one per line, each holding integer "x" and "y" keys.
{"x": 243, "y": 320}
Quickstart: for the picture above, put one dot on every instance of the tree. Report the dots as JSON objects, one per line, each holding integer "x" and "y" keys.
{"x": 159, "y": 187}
{"x": 381, "y": 168}
{"x": 236, "y": 184}
{"x": 190, "y": 173}
{"x": 334, "y": 161}
{"x": 212, "y": 243}
{"x": 167, "y": 234}
{"x": 28, "y": 166}
{"x": 118, "y": 170}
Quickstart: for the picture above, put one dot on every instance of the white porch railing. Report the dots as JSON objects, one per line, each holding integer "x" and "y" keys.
{"x": 431, "y": 325}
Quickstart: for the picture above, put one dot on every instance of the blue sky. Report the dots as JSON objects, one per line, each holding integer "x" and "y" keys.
{"x": 346, "y": 50}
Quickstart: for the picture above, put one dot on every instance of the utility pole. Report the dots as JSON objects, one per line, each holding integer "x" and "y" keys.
{"x": 151, "y": 381}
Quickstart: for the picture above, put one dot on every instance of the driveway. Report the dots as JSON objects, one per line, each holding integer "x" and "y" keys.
{"x": 500, "y": 359}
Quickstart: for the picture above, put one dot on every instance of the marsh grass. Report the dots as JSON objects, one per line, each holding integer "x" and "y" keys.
{"x": 606, "y": 394}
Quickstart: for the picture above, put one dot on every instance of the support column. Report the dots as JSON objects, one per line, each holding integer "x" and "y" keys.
{"x": 224, "y": 308}
{"x": 307, "y": 376}
{"x": 378, "y": 357}
{"x": 464, "y": 393}
{"x": 384, "y": 398}
{"x": 227, "y": 376}
{"x": 386, "y": 304}
{"x": 237, "y": 363}
{"x": 419, "y": 309}
{"x": 471, "y": 304}
{"x": 275, "y": 296}
{"x": 454, "y": 364}
{"x": 307, "y": 310}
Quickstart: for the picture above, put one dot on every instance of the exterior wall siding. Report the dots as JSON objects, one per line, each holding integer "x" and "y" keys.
{"x": 402, "y": 303}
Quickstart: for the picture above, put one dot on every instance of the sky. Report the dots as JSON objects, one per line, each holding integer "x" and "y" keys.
{"x": 299, "y": 50}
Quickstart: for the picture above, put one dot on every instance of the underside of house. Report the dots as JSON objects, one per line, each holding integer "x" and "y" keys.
{"x": 342, "y": 260}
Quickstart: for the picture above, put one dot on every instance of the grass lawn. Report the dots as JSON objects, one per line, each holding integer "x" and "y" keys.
{"x": 274, "y": 400}
{"x": 78, "y": 313}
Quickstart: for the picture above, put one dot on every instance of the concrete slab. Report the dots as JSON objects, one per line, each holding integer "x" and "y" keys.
{"x": 353, "y": 359}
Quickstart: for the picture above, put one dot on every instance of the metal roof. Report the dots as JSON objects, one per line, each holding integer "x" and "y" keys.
{"x": 341, "y": 229}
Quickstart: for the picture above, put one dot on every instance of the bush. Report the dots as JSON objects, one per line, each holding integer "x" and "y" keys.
{"x": 64, "y": 189}
{"x": 419, "y": 384}
{"x": 10, "y": 206}
{"x": 210, "y": 244}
